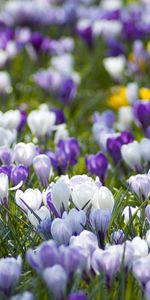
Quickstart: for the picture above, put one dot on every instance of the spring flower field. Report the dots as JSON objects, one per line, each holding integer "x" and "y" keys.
{"x": 74, "y": 150}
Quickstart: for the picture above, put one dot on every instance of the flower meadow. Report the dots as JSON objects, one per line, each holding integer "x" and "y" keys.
{"x": 75, "y": 150}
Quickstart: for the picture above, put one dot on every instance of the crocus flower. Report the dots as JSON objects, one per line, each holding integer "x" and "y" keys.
{"x": 115, "y": 66}
{"x": 59, "y": 114}
{"x": 145, "y": 149}
{"x": 70, "y": 259}
{"x": 84, "y": 31}
{"x": 5, "y": 83}
{"x": 103, "y": 198}
{"x": 38, "y": 217}
{"x": 86, "y": 243}
{"x": 46, "y": 255}
{"x": 140, "y": 247}
{"x": 6, "y": 155}
{"x": 76, "y": 220}
{"x": 61, "y": 232}
{"x": 131, "y": 154}
{"x": 125, "y": 117}
{"x": 147, "y": 290}
{"x": 59, "y": 196}
{"x": 100, "y": 220}
{"x": 148, "y": 238}
{"x": 67, "y": 91}
{"x": 69, "y": 149}
{"x": 140, "y": 185}
{"x": 10, "y": 271}
{"x": 38, "y": 117}
{"x": 141, "y": 113}
{"x": 141, "y": 269}
{"x": 147, "y": 212}
{"x": 3, "y": 189}
{"x": 18, "y": 174}
{"x": 10, "y": 119}
{"x": 42, "y": 168}
{"x": 117, "y": 237}
{"x": 108, "y": 117}
{"x": 113, "y": 148}
{"x": 32, "y": 199}
{"x": 106, "y": 261}
{"x": 56, "y": 280}
{"x": 129, "y": 212}
{"x": 83, "y": 193}
{"x": 132, "y": 92}
{"x": 24, "y": 153}
{"x": 77, "y": 296}
{"x": 97, "y": 164}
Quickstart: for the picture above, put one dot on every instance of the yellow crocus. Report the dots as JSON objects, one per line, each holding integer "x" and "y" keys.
{"x": 144, "y": 93}
{"x": 118, "y": 99}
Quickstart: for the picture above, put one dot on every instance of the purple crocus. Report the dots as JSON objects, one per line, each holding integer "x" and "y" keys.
{"x": 113, "y": 148}
{"x": 6, "y": 170}
{"x": 70, "y": 259}
{"x": 23, "y": 120}
{"x": 140, "y": 185}
{"x": 147, "y": 212}
{"x": 84, "y": 31}
{"x": 141, "y": 113}
{"x": 42, "y": 168}
{"x": 147, "y": 290}
{"x": 46, "y": 255}
{"x": 6, "y": 155}
{"x": 18, "y": 174}
{"x": 108, "y": 117}
{"x": 60, "y": 231}
{"x": 114, "y": 144}
{"x": 56, "y": 280}
{"x": 10, "y": 271}
{"x": 100, "y": 220}
{"x": 60, "y": 118}
{"x": 117, "y": 237}
{"x": 97, "y": 164}
{"x": 67, "y": 152}
{"x": 78, "y": 296}
{"x": 115, "y": 47}
{"x": 67, "y": 91}
{"x": 36, "y": 40}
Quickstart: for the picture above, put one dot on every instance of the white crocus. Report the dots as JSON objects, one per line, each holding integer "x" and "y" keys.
{"x": 115, "y": 66}
{"x": 10, "y": 119}
{"x": 103, "y": 198}
{"x": 24, "y": 153}
{"x": 125, "y": 117}
{"x": 63, "y": 64}
{"x": 60, "y": 194}
{"x": 61, "y": 133}
{"x": 5, "y": 82}
{"x": 148, "y": 238}
{"x": 41, "y": 214}
{"x": 128, "y": 213}
{"x": 7, "y": 137}
{"x": 41, "y": 122}
{"x": 145, "y": 149}
{"x": 82, "y": 194}
{"x": 3, "y": 189}
{"x": 140, "y": 247}
{"x": 32, "y": 199}
{"x": 131, "y": 154}
{"x": 110, "y": 28}
{"x": 132, "y": 92}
